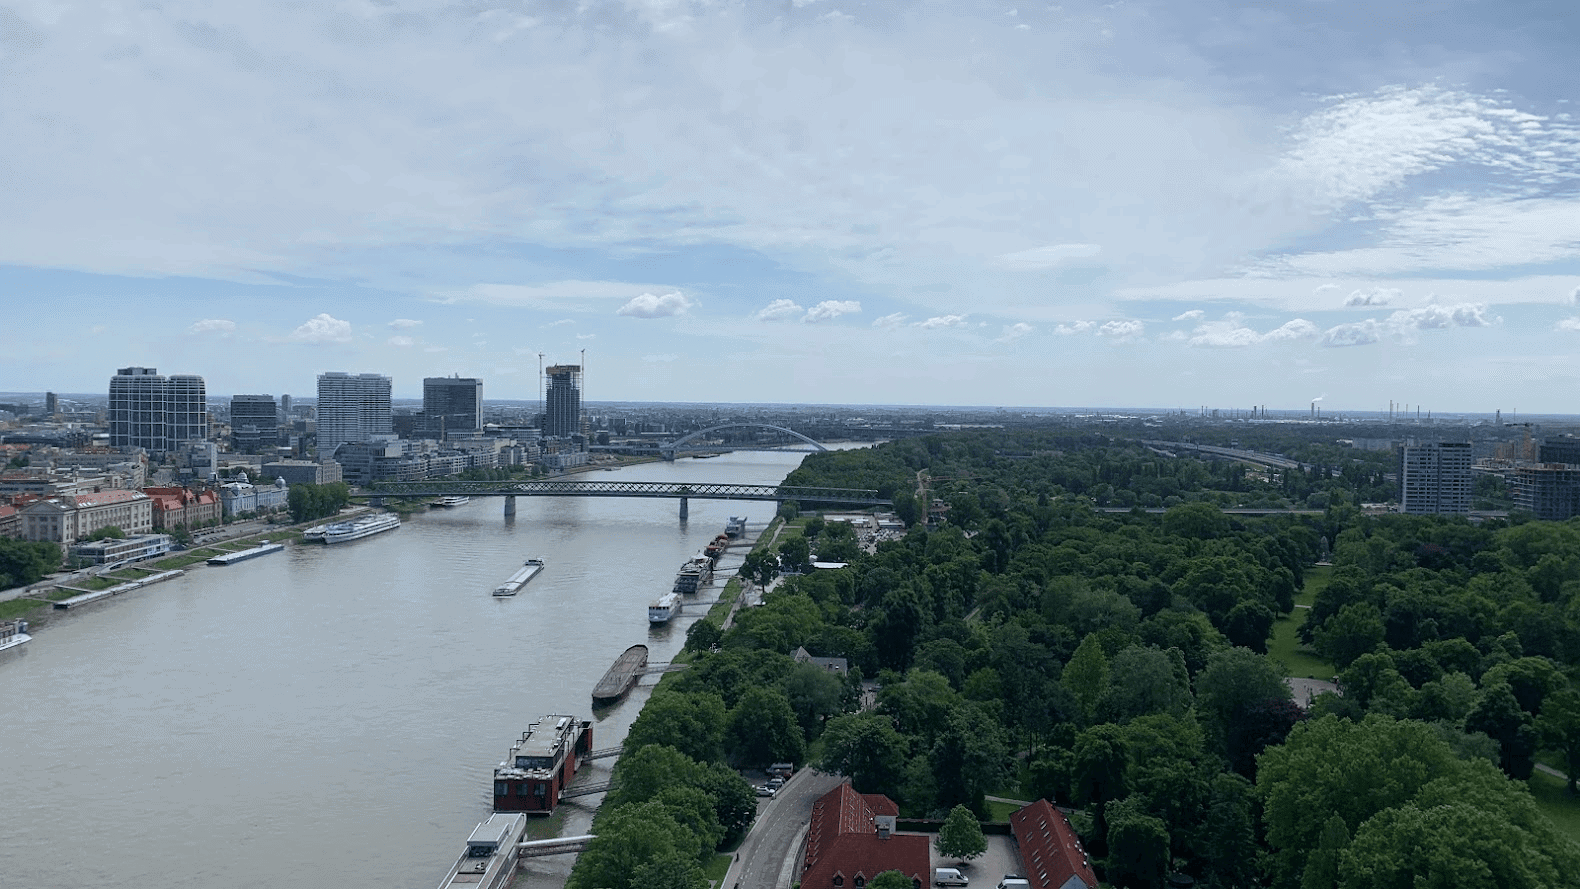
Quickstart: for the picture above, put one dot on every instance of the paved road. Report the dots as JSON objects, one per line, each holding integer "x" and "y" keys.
{"x": 767, "y": 859}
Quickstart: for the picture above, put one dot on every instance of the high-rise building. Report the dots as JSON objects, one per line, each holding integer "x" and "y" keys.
{"x": 254, "y": 422}
{"x": 1435, "y": 478}
{"x": 285, "y": 408}
{"x": 563, "y": 409}
{"x": 1561, "y": 450}
{"x": 154, "y": 412}
{"x": 452, "y": 405}
{"x": 1549, "y": 491}
{"x": 51, "y": 404}
{"x": 351, "y": 407}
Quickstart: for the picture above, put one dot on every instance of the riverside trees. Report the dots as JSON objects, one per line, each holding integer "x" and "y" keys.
{"x": 1117, "y": 658}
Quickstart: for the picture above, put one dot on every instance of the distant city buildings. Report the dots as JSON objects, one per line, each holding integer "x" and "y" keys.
{"x": 154, "y": 412}
{"x": 351, "y": 407}
{"x": 1435, "y": 478}
{"x": 452, "y": 405}
{"x": 254, "y": 422}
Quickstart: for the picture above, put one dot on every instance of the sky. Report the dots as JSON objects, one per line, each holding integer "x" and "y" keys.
{"x": 1148, "y": 204}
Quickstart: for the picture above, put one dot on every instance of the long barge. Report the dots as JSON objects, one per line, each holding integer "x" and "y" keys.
{"x": 515, "y": 582}
{"x": 492, "y": 850}
{"x": 621, "y": 676}
{"x": 541, "y": 764}
{"x": 245, "y": 554}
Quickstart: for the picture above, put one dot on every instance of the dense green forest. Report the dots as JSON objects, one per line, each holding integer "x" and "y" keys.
{"x": 1026, "y": 643}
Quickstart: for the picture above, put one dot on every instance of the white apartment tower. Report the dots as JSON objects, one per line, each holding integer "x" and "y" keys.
{"x": 1435, "y": 478}
{"x": 155, "y": 412}
{"x": 351, "y": 407}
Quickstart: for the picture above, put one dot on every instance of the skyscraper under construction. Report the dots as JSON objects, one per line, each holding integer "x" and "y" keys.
{"x": 562, "y": 416}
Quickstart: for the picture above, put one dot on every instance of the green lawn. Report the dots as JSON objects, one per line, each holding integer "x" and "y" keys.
{"x": 1001, "y": 811}
{"x": 18, "y": 608}
{"x": 1286, "y": 646}
{"x": 1555, "y": 802}
{"x": 717, "y": 867}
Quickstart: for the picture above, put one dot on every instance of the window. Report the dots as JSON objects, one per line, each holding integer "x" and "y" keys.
{"x": 501, "y": 788}
{"x": 860, "y": 881}
{"x": 839, "y": 879}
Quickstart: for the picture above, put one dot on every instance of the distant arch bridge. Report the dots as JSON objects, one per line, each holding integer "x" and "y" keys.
{"x": 694, "y": 442}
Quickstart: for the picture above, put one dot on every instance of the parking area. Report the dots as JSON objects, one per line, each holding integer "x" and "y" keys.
{"x": 985, "y": 870}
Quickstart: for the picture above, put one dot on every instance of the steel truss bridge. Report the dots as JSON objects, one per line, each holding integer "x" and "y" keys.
{"x": 683, "y": 492}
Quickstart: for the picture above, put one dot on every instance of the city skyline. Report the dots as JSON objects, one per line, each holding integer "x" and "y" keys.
{"x": 1144, "y": 204}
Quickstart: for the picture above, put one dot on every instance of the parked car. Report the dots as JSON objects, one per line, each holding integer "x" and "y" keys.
{"x": 949, "y": 876}
{"x": 765, "y": 790}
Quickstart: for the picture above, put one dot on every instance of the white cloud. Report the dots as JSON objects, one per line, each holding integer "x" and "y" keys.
{"x": 586, "y": 336}
{"x": 322, "y": 328}
{"x": 404, "y": 324}
{"x": 1324, "y": 288}
{"x": 1074, "y": 328}
{"x": 1298, "y": 329}
{"x": 1568, "y": 324}
{"x": 402, "y": 341}
{"x": 942, "y": 321}
{"x": 829, "y": 309}
{"x": 1122, "y": 330}
{"x": 1404, "y": 323}
{"x": 894, "y": 320}
{"x": 779, "y": 310}
{"x": 1375, "y": 296}
{"x": 1048, "y": 257}
{"x": 560, "y": 323}
{"x": 557, "y": 296}
{"x": 213, "y": 325}
{"x": 1192, "y": 315}
{"x": 1015, "y": 331}
{"x": 648, "y": 305}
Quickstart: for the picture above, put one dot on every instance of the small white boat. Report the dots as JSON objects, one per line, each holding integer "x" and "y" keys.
{"x": 452, "y": 500}
{"x": 664, "y": 608}
{"x": 13, "y": 634}
{"x": 515, "y": 582}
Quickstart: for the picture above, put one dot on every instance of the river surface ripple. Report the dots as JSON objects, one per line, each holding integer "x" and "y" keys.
{"x": 330, "y": 716}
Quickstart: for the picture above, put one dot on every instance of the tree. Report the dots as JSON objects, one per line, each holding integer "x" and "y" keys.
{"x": 890, "y": 879}
{"x": 629, "y": 838}
{"x": 795, "y": 554}
{"x": 703, "y": 635}
{"x": 1138, "y": 846}
{"x": 762, "y": 729}
{"x": 760, "y": 567}
{"x": 1559, "y": 729}
{"x": 961, "y": 835}
{"x": 865, "y": 748}
{"x": 1098, "y": 772}
{"x": 1142, "y": 681}
{"x": 1356, "y": 630}
{"x": 1322, "y": 868}
{"x": 690, "y": 723}
{"x": 1086, "y": 675}
{"x": 814, "y": 694}
{"x": 1235, "y": 682}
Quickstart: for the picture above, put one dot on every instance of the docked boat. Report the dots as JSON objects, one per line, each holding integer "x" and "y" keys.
{"x": 515, "y": 582}
{"x": 694, "y": 575}
{"x": 663, "y": 608}
{"x": 540, "y": 764}
{"x": 716, "y": 548}
{"x": 244, "y": 555}
{"x": 360, "y": 527}
{"x": 489, "y": 861}
{"x": 621, "y": 676}
{"x": 13, "y": 634}
{"x": 315, "y": 534}
{"x": 452, "y": 500}
{"x": 735, "y": 527}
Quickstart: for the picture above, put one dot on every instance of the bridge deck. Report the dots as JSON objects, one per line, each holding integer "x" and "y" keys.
{"x": 667, "y": 490}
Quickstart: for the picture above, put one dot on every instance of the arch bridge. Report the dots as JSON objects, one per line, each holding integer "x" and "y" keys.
{"x": 678, "y": 444}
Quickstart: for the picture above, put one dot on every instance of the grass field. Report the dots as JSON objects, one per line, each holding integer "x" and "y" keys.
{"x": 1555, "y": 802}
{"x": 19, "y": 608}
{"x": 1286, "y": 646}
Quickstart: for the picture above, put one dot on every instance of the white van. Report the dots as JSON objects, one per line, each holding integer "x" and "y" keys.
{"x": 949, "y": 876}
{"x": 1012, "y": 881}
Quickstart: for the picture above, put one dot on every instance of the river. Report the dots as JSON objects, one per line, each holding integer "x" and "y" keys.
{"x": 330, "y": 716}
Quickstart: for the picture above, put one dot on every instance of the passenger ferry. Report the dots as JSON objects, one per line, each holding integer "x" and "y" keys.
{"x": 541, "y": 764}
{"x": 489, "y": 861}
{"x": 452, "y": 500}
{"x": 664, "y": 608}
{"x": 694, "y": 575}
{"x": 360, "y": 527}
{"x": 516, "y": 581}
{"x": 13, "y": 634}
{"x": 736, "y": 526}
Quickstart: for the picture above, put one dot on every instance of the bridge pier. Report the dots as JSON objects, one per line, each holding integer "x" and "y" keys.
{"x": 685, "y": 503}
{"x": 510, "y": 506}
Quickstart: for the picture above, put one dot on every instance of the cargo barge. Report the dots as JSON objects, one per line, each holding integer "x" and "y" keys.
{"x": 515, "y": 582}
{"x": 621, "y": 676}
{"x": 541, "y": 764}
{"x": 245, "y": 554}
{"x": 492, "y": 850}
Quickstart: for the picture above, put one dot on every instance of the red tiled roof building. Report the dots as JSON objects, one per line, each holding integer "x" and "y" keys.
{"x": 1049, "y": 847}
{"x": 852, "y": 839}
